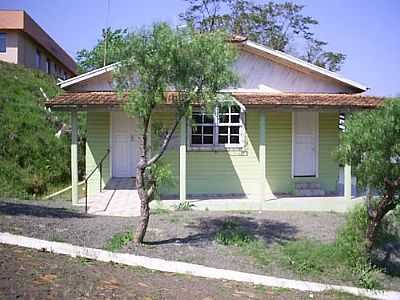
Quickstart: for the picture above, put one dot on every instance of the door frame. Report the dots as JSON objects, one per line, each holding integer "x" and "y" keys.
{"x": 317, "y": 115}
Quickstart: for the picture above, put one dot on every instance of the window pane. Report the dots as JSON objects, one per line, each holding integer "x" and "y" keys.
{"x": 196, "y": 118}
{"x": 208, "y": 119}
{"x": 234, "y": 129}
{"x": 224, "y": 109}
{"x": 235, "y": 119}
{"x": 223, "y": 129}
{"x": 196, "y": 139}
{"x": 234, "y": 139}
{"x": 208, "y": 139}
{"x": 235, "y": 109}
{"x": 207, "y": 130}
{"x": 196, "y": 129}
{"x": 223, "y": 118}
{"x": 3, "y": 46}
{"x": 222, "y": 139}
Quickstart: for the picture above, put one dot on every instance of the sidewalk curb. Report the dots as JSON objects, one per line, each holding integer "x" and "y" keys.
{"x": 186, "y": 268}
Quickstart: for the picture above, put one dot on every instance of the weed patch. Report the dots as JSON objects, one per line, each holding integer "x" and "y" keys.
{"x": 118, "y": 241}
{"x": 231, "y": 235}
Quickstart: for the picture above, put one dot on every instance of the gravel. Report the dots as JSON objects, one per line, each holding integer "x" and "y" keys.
{"x": 184, "y": 236}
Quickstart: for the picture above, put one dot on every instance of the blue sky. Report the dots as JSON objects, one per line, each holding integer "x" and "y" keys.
{"x": 368, "y": 32}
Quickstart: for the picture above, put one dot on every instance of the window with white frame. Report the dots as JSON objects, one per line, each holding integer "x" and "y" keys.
{"x": 222, "y": 128}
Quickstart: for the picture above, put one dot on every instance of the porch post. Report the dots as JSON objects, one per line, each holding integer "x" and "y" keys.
{"x": 262, "y": 154}
{"x": 74, "y": 156}
{"x": 182, "y": 161}
{"x": 347, "y": 182}
{"x": 347, "y": 168}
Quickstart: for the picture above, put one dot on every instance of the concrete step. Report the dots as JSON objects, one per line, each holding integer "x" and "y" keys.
{"x": 307, "y": 185}
{"x": 309, "y": 192}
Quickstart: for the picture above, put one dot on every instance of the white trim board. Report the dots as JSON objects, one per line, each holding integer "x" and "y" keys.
{"x": 186, "y": 268}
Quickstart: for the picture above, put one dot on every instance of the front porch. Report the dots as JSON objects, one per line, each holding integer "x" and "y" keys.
{"x": 120, "y": 198}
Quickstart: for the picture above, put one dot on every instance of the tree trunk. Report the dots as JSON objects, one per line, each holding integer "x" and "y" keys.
{"x": 144, "y": 204}
{"x": 376, "y": 215}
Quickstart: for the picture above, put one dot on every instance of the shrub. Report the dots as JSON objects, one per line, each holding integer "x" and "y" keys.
{"x": 231, "y": 234}
{"x": 351, "y": 244}
{"x": 184, "y": 206}
{"x": 31, "y": 156}
{"x": 118, "y": 241}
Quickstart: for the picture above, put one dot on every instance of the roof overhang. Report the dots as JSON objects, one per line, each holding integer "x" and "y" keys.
{"x": 89, "y": 101}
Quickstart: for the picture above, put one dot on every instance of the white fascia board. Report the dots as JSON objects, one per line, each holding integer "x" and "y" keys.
{"x": 304, "y": 64}
{"x": 88, "y": 75}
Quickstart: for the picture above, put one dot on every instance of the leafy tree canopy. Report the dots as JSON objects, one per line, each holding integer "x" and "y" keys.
{"x": 280, "y": 26}
{"x": 371, "y": 144}
{"x": 160, "y": 59}
{"x": 113, "y": 40}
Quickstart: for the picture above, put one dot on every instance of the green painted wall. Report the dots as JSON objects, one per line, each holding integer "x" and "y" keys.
{"x": 229, "y": 172}
{"x": 328, "y": 141}
{"x": 98, "y": 137}
{"x": 279, "y": 151}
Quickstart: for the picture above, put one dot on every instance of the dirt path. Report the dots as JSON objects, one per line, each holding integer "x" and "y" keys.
{"x": 29, "y": 274}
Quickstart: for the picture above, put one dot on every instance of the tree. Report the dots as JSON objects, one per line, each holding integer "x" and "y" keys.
{"x": 279, "y": 26}
{"x": 113, "y": 41}
{"x": 195, "y": 65}
{"x": 371, "y": 144}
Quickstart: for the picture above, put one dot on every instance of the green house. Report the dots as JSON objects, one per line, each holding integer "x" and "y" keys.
{"x": 275, "y": 142}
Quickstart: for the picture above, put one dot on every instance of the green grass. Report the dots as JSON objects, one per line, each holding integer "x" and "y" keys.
{"x": 159, "y": 211}
{"x": 306, "y": 258}
{"x": 231, "y": 235}
{"x": 118, "y": 241}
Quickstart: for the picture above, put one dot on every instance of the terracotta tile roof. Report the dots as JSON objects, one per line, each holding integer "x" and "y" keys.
{"x": 248, "y": 99}
{"x": 285, "y": 99}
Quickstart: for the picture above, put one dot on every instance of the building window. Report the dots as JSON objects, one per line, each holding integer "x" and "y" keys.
{"x": 48, "y": 66}
{"x": 222, "y": 128}
{"x": 3, "y": 42}
{"x": 38, "y": 59}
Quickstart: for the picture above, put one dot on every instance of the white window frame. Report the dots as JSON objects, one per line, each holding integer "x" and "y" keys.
{"x": 216, "y": 146}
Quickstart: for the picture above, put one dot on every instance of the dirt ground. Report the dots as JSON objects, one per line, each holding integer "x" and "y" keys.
{"x": 30, "y": 274}
{"x": 187, "y": 236}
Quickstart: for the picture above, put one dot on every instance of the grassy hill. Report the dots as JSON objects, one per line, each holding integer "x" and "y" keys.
{"x": 31, "y": 157}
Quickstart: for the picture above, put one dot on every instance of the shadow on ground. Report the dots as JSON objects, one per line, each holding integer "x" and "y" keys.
{"x": 18, "y": 209}
{"x": 205, "y": 229}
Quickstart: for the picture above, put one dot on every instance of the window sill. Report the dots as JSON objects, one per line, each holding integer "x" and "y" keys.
{"x": 238, "y": 149}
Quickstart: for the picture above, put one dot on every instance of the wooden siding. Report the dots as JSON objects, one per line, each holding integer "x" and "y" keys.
{"x": 229, "y": 172}
{"x": 257, "y": 72}
{"x": 279, "y": 151}
{"x": 328, "y": 141}
{"x": 98, "y": 139}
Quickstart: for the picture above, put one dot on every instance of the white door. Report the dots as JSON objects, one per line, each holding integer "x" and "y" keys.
{"x": 124, "y": 145}
{"x": 305, "y": 138}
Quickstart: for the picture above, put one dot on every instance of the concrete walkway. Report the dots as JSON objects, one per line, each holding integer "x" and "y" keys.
{"x": 321, "y": 204}
{"x": 119, "y": 198}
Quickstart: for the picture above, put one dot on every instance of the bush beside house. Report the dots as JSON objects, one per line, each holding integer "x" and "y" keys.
{"x": 32, "y": 158}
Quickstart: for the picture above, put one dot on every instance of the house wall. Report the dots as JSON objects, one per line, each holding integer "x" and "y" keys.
{"x": 11, "y": 54}
{"x": 258, "y": 72}
{"x": 98, "y": 139}
{"x": 21, "y": 49}
{"x": 229, "y": 172}
{"x": 235, "y": 172}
